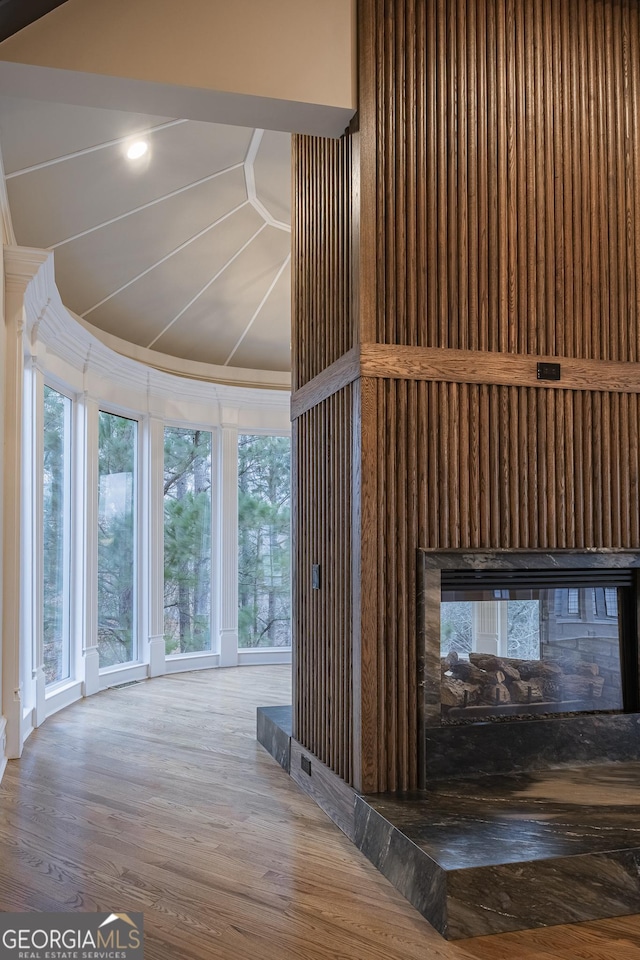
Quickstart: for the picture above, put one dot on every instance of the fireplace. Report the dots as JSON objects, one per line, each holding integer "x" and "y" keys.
{"x": 526, "y": 660}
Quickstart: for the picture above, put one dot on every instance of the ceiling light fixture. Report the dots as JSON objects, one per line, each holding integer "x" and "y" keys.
{"x": 137, "y": 149}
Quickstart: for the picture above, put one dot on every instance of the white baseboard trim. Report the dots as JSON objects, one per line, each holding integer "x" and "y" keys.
{"x": 257, "y": 657}
{"x": 115, "y": 676}
{"x": 63, "y": 698}
{"x": 192, "y": 661}
{"x": 28, "y": 725}
{"x": 3, "y": 746}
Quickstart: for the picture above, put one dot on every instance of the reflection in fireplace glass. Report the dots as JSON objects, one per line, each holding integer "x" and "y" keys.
{"x": 518, "y": 652}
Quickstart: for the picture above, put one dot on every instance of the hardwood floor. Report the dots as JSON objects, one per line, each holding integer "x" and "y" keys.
{"x": 157, "y": 797}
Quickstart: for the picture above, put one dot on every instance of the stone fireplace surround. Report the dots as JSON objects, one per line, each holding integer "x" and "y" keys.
{"x": 515, "y": 745}
{"x": 519, "y": 823}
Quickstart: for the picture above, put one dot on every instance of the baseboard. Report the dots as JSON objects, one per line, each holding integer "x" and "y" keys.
{"x": 329, "y": 791}
{"x": 3, "y": 746}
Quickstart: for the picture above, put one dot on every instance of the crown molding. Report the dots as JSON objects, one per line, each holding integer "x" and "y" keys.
{"x": 49, "y": 322}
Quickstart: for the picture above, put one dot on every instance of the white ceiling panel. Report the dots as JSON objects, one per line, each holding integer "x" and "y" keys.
{"x": 57, "y": 202}
{"x": 267, "y": 342}
{"x": 95, "y": 265}
{"x": 230, "y": 303}
{"x": 32, "y": 131}
{"x": 145, "y": 308}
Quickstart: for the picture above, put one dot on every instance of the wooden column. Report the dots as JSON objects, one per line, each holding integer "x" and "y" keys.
{"x": 482, "y": 216}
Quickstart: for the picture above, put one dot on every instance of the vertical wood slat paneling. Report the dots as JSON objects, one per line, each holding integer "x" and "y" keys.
{"x": 322, "y": 534}
{"x": 530, "y": 149}
{"x": 321, "y": 328}
{"x": 593, "y": 436}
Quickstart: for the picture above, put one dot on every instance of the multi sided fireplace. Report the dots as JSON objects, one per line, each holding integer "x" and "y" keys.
{"x": 513, "y": 636}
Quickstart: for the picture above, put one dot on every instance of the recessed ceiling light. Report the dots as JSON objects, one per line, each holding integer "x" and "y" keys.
{"x": 137, "y": 149}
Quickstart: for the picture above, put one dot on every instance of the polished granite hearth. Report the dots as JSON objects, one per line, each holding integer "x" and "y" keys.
{"x": 502, "y": 852}
{"x": 512, "y": 851}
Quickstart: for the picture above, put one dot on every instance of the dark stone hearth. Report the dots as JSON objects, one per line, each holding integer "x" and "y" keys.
{"x": 274, "y": 733}
{"x": 411, "y": 871}
{"x": 519, "y": 851}
{"x": 498, "y": 853}
{"x": 523, "y": 821}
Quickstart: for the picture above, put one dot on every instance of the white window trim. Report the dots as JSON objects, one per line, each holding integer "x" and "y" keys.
{"x": 138, "y": 646}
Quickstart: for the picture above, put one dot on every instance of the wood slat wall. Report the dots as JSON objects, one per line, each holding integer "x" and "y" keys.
{"x": 473, "y": 466}
{"x": 322, "y": 695}
{"x": 321, "y": 230}
{"x": 507, "y": 173}
{"x": 493, "y": 207}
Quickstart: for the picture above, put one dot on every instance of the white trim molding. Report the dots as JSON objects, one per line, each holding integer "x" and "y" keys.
{"x": 3, "y": 746}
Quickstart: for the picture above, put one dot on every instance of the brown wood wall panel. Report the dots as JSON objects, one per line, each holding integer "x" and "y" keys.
{"x": 492, "y": 207}
{"x": 475, "y": 466}
{"x": 321, "y": 228}
{"x": 323, "y": 701}
{"x": 507, "y": 174}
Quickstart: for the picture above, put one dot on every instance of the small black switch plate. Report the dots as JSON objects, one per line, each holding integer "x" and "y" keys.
{"x": 548, "y": 371}
{"x": 305, "y": 763}
{"x": 315, "y": 576}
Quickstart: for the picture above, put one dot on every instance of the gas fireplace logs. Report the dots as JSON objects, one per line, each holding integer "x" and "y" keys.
{"x": 488, "y": 680}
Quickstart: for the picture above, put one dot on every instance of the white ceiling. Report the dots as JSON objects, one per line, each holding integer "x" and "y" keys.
{"x": 185, "y": 251}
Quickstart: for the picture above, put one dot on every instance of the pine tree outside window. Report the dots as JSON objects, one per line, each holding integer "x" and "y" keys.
{"x": 117, "y": 445}
{"x": 187, "y": 540}
{"x": 264, "y": 541}
{"x": 56, "y": 536}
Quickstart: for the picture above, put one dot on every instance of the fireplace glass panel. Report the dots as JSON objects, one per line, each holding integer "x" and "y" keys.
{"x": 519, "y": 652}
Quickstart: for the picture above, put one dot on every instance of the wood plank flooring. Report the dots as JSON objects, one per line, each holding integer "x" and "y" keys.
{"x": 157, "y": 797}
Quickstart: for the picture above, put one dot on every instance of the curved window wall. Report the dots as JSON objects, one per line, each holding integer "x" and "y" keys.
{"x": 153, "y": 527}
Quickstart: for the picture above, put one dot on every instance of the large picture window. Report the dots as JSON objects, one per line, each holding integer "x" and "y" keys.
{"x": 264, "y": 550}
{"x": 56, "y": 536}
{"x": 117, "y": 444}
{"x": 187, "y": 540}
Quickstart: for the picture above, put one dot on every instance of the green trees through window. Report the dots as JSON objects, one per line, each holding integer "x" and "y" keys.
{"x": 264, "y": 556}
{"x": 117, "y": 442}
{"x": 187, "y": 540}
{"x": 56, "y": 535}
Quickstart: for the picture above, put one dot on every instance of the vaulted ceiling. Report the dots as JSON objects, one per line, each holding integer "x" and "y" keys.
{"x": 181, "y": 257}
{"x": 185, "y": 250}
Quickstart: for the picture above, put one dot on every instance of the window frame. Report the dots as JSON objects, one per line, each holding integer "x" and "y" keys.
{"x": 137, "y": 643}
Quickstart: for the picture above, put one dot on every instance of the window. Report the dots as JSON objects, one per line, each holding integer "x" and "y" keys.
{"x": 611, "y": 601}
{"x": 117, "y": 442}
{"x": 264, "y": 553}
{"x": 573, "y": 602}
{"x": 56, "y": 536}
{"x": 187, "y": 540}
